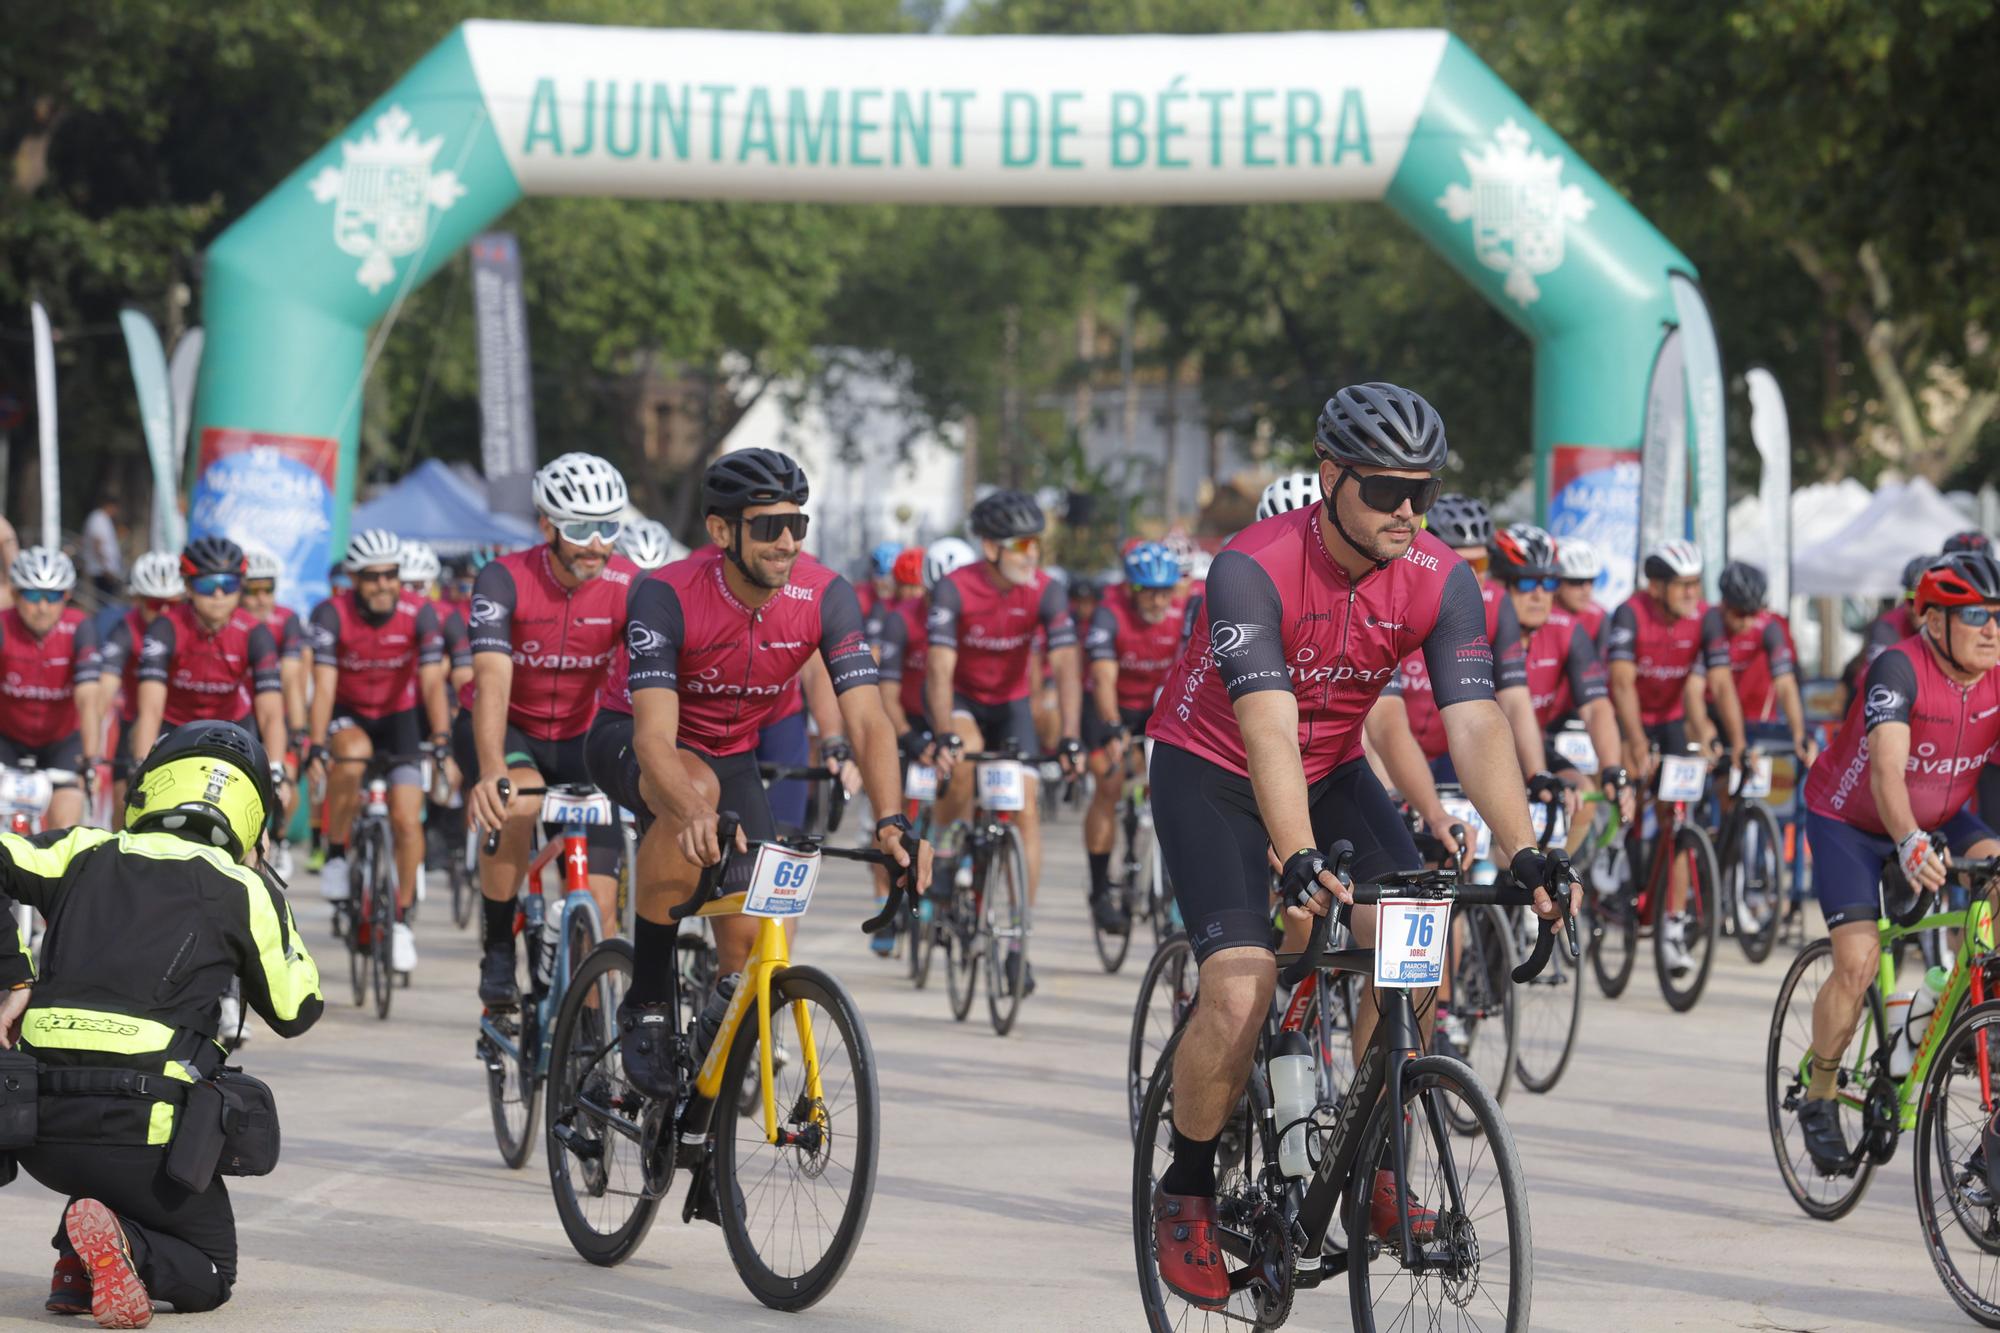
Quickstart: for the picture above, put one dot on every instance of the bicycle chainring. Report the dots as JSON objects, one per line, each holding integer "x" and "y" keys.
{"x": 1269, "y": 1274}
{"x": 1881, "y": 1112}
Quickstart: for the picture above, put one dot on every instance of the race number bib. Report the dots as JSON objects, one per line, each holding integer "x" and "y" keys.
{"x": 781, "y": 883}
{"x": 562, "y": 807}
{"x": 920, "y": 783}
{"x": 1542, "y": 814}
{"x": 1462, "y": 812}
{"x": 1756, "y": 784}
{"x": 25, "y": 792}
{"x": 1682, "y": 776}
{"x": 1411, "y": 941}
{"x": 1575, "y": 747}
{"x": 1003, "y": 786}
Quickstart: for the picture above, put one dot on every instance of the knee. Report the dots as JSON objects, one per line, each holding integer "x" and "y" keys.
{"x": 1855, "y": 972}
{"x": 405, "y": 824}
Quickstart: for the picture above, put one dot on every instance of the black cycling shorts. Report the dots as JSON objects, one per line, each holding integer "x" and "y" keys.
{"x": 1212, "y": 842}
{"x": 1671, "y": 737}
{"x": 557, "y": 761}
{"x": 66, "y": 753}
{"x": 614, "y": 767}
{"x": 398, "y": 733}
{"x": 1002, "y": 726}
{"x": 1096, "y": 735}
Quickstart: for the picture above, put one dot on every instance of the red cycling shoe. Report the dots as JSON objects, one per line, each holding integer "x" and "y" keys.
{"x": 1190, "y": 1261}
{"x": 1382, "y": 1212}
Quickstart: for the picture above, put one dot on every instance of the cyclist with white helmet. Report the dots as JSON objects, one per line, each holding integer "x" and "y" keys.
{"x": 54, "y": 714}
{"x": 155, "y": 585}
{"x": 545, "y": 623}
{"x": 647, "y": 544}
{"x": 261, "y": 571}
{"x": 1578, "y": 566}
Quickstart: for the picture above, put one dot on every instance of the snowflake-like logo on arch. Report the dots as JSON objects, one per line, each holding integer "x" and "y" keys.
{"x": 1518, "y": 207}
{"x": 382, "y": 195}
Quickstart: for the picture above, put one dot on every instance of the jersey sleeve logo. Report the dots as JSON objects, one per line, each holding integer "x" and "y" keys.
{"x": 1229, "y": 639}
{"x": 940, "y": 615}
{"x": 486, "y": 611}
{"x": 1882, "y": 703}
{"x": 154, "y": 648}
{"x": 642, "y": 640}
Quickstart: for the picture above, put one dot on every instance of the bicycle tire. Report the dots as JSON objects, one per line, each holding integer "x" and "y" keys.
{"x": 1550, "y": 1009}
{"x": 602, "y": 1247}
{"x": 1784, "y": 1052}
{"x": 1756, "y": 881}
{"x": 1173, "y": 976}
{"x": 1483, "y": 992}
{"x": 1703, "y": 913}
{"x": 357, "y": 955}
{"x": 1112, "y": 946}
{"x": 1006, "y": 931}
{"x": 792, "y": 989}
{"x": 1947, "y": 1201}
{"x": 922, "y": 942}
{"x": 381, "y": 918}
{"x": 1433, "y": 1075}
{"x": 963, "y": 951}
{"x": 464, "y": 894}
{"x": 1613, "y": 908}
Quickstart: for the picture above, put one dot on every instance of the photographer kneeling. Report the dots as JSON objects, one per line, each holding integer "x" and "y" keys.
{"x": 111, "y": 1082}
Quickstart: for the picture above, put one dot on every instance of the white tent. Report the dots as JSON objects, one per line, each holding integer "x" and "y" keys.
{"x": 1865, "y": 557}
{"x": 1818, "y": 511}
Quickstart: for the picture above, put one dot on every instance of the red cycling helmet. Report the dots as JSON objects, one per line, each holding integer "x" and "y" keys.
{"x": 908, "y": 571}
{"x": 1963, "y": 578}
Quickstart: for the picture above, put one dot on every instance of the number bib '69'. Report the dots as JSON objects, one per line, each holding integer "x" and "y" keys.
{"x": 1003, "y": 786}
{"x": 781, "y": 883}
{"x": 1411, "y": 940}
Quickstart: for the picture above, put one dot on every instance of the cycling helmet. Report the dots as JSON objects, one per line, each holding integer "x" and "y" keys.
{"x": 1288, "y": 493}
{"x": 372, "y": 547}
{"x": 1459, "y": 520}
{"x": 208, "y": 781}
{"x": 946, "y": 554}
{"x": 1963, "y": 578}
{"x": 43, "y": 567}
{"x": 1743, "y": 586}
{"x": 1676, "y": 558}
{"x": 157, "y": 574}
{"x": 579, "y": 487}
{"x": 1380, "y": 425}
{"x": 1084, "y": 586}
{"x": 908, "y": 571}
{"x": 1151, "y": 565}
{"x": 260, "y": 562}
{"x": 646, "y": 544}
{"x": 1005, "y": 515}
{"x": 1522, "y": 551}
{"x": 1577, "y": 558}
{"x": 211, "y": 555}
{"x": 883, "y": 558}
{"x": 1913, "y": 570}
{"x": 1972, "y": 539}
{"x": 752, "y": 477}
{"x": 418, "y": 564}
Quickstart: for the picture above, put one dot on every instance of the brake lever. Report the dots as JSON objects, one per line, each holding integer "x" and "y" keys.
{"x": 1545, "y": 936}
{"x": 506, "y": 789}
{"x": 902, "y": 884}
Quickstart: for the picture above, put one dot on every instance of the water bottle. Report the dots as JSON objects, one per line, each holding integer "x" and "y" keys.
{"x": 534, "y": 910}
{"x": 1903, "y": 1053}
{"x": 1293, "y": 1097}
{"x": 710, "y": 1021}
{"x": 551, "y": 937}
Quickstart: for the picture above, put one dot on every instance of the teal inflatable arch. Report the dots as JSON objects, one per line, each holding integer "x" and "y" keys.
{"x": 500, "y": 110}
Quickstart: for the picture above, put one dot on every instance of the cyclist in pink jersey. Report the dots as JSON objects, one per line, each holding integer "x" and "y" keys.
{"x": 982, "y": 626}
{"x": 712, "y": 643}
{"x": 1578, "y": 566}
{"x": 1257, "y": 753}
{"x": 546, "y": 623}
{"x": 155, "y": 585}
{"x": 1763, "y": 663}
{"x": 49, "y": 663}
{"x": 1893, "y": 788}
{"x": 1897, "y": 623}
{"x": 260, "y": 599}
{"x": 896, "y": 632}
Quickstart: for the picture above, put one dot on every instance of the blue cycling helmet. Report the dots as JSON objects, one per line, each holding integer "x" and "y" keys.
{"x": 1152, "y": 565}
{"x": 883, "y": 557}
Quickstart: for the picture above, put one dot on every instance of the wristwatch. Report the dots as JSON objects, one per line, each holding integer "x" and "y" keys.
{"x": 901, "y": 823}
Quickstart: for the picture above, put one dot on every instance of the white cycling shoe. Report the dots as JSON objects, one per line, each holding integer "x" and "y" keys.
{"x": 333, "y": 879}
{"x": 1674, "y": 948}
{"x": 403, "y": 948}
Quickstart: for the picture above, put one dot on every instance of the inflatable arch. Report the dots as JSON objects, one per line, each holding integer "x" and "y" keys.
{"x": 1624, "y": 353}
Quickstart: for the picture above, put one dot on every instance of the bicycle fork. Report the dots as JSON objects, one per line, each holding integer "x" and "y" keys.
{"x": 768, "y": 956}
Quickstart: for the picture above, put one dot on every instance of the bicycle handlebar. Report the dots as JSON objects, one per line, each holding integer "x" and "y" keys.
{"x": 836, "y": 805}
{"x": 902, "y": 879}
{"x": 507, "y": 794}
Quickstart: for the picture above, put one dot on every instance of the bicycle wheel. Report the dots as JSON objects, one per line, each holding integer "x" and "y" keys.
{"x": 381, "y": 919}
{"x": 1481, "y": 1257}
{"x": 1166, "y": 998}
{"x": 1956, "y": 1202}
{"x": 1482, "y": 1006}
{"x": 1699, "y": 920}
{"x": 962, "y": 950}
{"x": 1756, "y": 878}
{"x": 1785, "y": 1074}
{"x": 792, "y": 1212}
{"x": 1333, "y": 1032}
{"x": 605, "y": 1190}
{"x": 1006, "y": 932}
{"x": 1611, "y": 900}
{"x": 1548, "y": 1009}
{"x": 1112, "y": 946}
{"x": 1166, "y": 913}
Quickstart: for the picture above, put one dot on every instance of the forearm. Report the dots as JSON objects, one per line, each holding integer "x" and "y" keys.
{"x": 655, "y": 736}
{"x": 1792, "y": 704}
{"x": 90, "y": 721}
{"x": 875, "y": 751}
{"x": 1069, "y": 690}
{"x": 146, "y": 720}
{"x": 326, "y": 682}
{"x": 1277, "y": 773}
{"x": 292, "y": 681}
{"x": 1625, "y": 706}
{"x": 493, "y": 676}
{"x": 1483, "y": 754}
{"x": 1403, "y": 760}
{"x": 1104, "y": 691}
{"x": 892, "y": 705}
{"x": 1602, "y": 725}
{"x": 938, "y": 670}
{"x": 820, "y": 699}
{"x": 1519, "y": 707}
{"x": 1722, "y": 683}
{"x": 437, "y": 706}
{"x": 268, "y": 707}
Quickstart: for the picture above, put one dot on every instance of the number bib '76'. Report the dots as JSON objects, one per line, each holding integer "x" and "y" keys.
{"x": 1411, "y": 940}
{"x": 781, "y": 883}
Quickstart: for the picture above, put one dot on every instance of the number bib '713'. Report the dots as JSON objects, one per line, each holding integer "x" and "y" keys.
{"x": 1411, "y": 940}
{"x": 781, "y": 883}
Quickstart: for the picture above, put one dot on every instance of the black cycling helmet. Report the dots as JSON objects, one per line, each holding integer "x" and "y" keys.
{"x": 211, "y": 555}
{"x": 1913, "y": 570}
{"x": 1522, "y": 551}
{"x": 1972, "y": 539}
{"x": 1459, "y": 520}
{"x": 1085, "y": 587}
{"x": 1005, "y": 515}
{"x": 1743, "y": 586}
{"x": 748, "y": 477}
{"x": 208, "y": 781}
{"x": 1380, "y": 425}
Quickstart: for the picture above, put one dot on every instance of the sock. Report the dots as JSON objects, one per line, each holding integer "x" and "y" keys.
{"x": 499, "y": 922}
{"x": 1193, "y": 1168}
{"x": 657, "y": 965}
{"x": 334, "y": 849}
{"x": 1100, "y": 873}
{"x": 1825, "y": 1079}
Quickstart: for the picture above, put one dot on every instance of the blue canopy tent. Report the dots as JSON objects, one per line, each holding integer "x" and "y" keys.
{"x": 436, "y": 505}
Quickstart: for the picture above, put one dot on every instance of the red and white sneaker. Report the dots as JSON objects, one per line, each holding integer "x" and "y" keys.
{"x": 69, "y": 1287}
{"x": 118, "y": 1298}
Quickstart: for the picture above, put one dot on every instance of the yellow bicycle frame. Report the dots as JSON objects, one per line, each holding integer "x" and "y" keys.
{"x": 769, "y": 955}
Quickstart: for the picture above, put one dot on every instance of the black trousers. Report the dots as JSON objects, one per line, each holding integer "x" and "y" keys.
{"x": 183, "y": 1244}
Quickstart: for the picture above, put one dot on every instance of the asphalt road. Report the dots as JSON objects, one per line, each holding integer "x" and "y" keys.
{"x": 1002, "y": 1194}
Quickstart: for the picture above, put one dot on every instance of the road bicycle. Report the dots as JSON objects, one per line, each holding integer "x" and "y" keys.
{"x": 985, "y": 914}
{"x": 1548, "y": 1007}
{"x": 1276, "y": 1226}
{"x": 1751, "y": 852}
{"x": 365, "y": 920}
{"x": 25, "y": 793}
{"x": 1476, "y": 1018}
{"x": 1624, "y": 903}
{"x": 919, "y": 926}
{"x": 782, "y": 1151}
{"x": 1140, "y": 887}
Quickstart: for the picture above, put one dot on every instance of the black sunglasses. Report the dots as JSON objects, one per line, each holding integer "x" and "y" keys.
{"x": 766, "y": 527}
{"x": 1385, "y": 494}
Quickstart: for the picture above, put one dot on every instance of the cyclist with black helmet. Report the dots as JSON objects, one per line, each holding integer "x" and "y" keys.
{"x": 545, "y": 625}
{"x": 1894, "y": 787}
{"x": 710, "y": 644}
{"x": 1257, "y": 751}
{"x": 207, "y": 659}
{"x": 155, "y": 585}
{"x": 979, "y": 680}
{"x": 1763, "y": 663}
{"x": 49, "y": 665}
{"x": 1896, "y": 623}
{"x": 146, "y": 930}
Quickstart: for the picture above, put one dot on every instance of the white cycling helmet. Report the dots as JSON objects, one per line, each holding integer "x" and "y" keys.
{"x": 1674, "y": 559}
{"x": 646, "y": 544}
{"x": 579, "y": 487}
{"x": 1577, "y": 558}
{"x": 419, "y": 564}
{"x": 1288, "y": 493}
{"x": 1198, "y": 564}
{"x": 944, "y": 555}
{"x": 260, "y": 562}
{"x": 371, "y": 547}
{"x": 43, "y": 567}
{"x": 157, "y": 574}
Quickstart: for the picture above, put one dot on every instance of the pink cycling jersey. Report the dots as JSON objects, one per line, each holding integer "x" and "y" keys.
{"x": 1666, "y": 650}
{"x": 1891, "y": 627}
{"x": 730, "y": 665}
{"x": 1144, "y": 653}
{"x": 119, "y": 657}
{"x": 41, "y": 676}
{"x": 1280, "y": 614}
{"x": 902, "y": 649}
{"x": 1758, "y": 655}
{"x": 1412, "y": 681}
{"x": 208, "y": 675}
{"x": 993, "y": 630}
{"x": 1953, "y": 732}
{"x": 561, "y": 639}
{"x": 1564, "y": 671}
{"x": 377, "y": 658}
{"x": 286, "y": 632}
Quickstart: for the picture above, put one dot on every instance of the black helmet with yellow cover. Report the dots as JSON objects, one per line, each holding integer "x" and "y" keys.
{"x": 207, "y": 781}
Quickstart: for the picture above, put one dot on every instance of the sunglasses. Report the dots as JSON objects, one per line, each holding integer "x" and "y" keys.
{"x": 259, "y": 588}
{"x": 377, "y": 576}
{"x": 1386, "y": 494}
{"x": 1579, "y": 583}
{"x": 767, "y": 527}
{"x": 584, "y": 531}
{"x": 215, "y": 585}
{"x": 1022, "y": 545}
{"x": 1537, "y": 585}
{"x": 1973, "y": 617}
{"x": 42, "y": 596}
